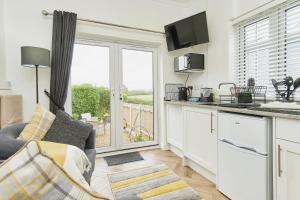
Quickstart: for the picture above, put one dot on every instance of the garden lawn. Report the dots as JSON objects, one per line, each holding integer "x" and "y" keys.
{"x": 141, "y": 99}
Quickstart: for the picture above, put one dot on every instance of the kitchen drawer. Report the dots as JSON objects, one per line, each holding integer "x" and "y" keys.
{"x": 288, "y": 129}
{"x": 245, "y": 130}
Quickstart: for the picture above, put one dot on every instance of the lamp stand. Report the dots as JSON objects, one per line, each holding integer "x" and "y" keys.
{"x": 37, "y": 82}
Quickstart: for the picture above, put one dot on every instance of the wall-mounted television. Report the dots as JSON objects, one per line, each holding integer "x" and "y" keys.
{"x": 187, "y": 32}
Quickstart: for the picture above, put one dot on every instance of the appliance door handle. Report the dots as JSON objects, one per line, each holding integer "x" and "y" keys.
{"x": 252, "y": 150}
{"x": 279, "y": 161}
{"x": 248, "y": 149}
{"x": 228, "y": 142}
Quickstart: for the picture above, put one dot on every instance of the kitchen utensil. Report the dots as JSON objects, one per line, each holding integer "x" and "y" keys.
{"x": 245, "y": 97}
{"x": 207, "y": 95}
{"x": 276, "y": 84}
{"x": 251, "y": 82}
{"x": 205, "y": 92}
{"x": 296, "y": 85}
{"x": 288, "y": 81}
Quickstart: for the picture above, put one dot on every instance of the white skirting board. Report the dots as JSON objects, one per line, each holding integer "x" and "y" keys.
{"x": 195, "y": 166}
{"x": 5, "y": 88}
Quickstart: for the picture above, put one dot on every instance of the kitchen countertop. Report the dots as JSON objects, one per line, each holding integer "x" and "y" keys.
{"x": 251, "y": 111}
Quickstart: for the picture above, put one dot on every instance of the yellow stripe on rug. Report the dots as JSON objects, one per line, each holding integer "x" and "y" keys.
{"x": 141, "y": 179}
{"x": 164, "y": 189}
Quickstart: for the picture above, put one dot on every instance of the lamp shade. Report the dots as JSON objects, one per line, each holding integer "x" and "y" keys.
{"x": 35, "y": 56}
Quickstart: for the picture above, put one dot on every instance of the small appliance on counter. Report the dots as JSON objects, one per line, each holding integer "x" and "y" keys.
{"x": 189, "y": 63}
{"x": 184, "y": 93}
{"x": 172, "y": 91}
{"x": 207, "y": 95}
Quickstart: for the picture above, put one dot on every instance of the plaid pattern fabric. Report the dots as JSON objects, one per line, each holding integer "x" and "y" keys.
{"x": 30, "y": 174}
{"x": 40, "y": 123}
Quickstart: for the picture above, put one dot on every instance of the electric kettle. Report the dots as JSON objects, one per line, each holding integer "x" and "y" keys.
{"x": 184, "y": 93}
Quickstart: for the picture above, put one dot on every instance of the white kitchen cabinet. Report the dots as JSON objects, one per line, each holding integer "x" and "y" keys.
{"x": 175, "y": 125}
{"x": 287, "y": 170}
{"x": 287, "y": 159}
{"x": 200, "y": 136}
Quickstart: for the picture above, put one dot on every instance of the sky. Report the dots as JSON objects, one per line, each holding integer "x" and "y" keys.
{"x": 91, "y": 65}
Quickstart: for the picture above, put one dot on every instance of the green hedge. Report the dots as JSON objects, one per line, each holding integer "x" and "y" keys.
{"x": 87, "y": 98}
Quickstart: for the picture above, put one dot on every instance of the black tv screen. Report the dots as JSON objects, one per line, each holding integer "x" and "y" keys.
{"x": 187, "y": 32}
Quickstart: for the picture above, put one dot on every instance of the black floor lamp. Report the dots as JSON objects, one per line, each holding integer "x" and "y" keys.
{"x": 35, "y": 57}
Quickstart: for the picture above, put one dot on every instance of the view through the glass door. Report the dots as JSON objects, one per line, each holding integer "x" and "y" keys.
{"x": 137, "y": 96}
{"x": 91, "y": 89}
{"x": 91, "y": 98}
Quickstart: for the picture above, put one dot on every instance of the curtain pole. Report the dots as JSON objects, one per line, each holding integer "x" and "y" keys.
{"x": 46, "y": 13}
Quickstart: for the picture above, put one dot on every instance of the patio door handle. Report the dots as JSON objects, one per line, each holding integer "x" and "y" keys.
{"x": 121, "y": 97}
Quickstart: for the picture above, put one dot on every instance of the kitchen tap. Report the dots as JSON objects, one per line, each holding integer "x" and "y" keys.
{"x": 227, "y": 83}
{"x": 227, "y": 97}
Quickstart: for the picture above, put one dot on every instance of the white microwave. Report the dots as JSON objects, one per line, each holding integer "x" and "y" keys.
{"x": 189, "y": 62}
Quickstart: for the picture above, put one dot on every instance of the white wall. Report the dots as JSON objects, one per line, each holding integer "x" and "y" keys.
{"x": 243, "y": 6}
{"x": 216, "y": 51}
{"x": 2, "y": 56}
{"x": 24, "y": 25}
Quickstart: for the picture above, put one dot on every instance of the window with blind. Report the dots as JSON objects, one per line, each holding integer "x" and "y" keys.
{"x": 267, "y": 46}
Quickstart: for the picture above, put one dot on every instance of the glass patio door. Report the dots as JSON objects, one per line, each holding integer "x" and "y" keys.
{"x": 137, "y": 97}
{"x": 113, "y": 88}
{"x": 92, "y": 90}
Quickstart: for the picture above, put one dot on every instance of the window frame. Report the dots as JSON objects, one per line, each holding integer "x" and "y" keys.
{"x": 277, "y": 64}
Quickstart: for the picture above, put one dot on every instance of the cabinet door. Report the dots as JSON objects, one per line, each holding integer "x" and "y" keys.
{"x": 288, "y": 170}
{"x": 175, "y": 125}
{"x": 200, "y": 141}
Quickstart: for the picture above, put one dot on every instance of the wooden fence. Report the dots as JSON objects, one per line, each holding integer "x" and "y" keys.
{"x": 138, "y": 118}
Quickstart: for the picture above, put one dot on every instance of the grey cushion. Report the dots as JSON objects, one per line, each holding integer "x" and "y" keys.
{"x": 68, "y": 131}
{"x": 9, "y": 146}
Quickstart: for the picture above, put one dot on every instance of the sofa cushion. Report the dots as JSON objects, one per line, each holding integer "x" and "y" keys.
{"x": 68, "y": 131}
{"x": 39, "y": 124}
{"x": 9, "y": 146}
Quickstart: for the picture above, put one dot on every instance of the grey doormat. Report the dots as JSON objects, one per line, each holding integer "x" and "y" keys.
{"x": 123, "y": 158}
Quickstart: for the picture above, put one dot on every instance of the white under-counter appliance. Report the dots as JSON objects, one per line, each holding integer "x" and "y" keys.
{"x": 244, "y": 156}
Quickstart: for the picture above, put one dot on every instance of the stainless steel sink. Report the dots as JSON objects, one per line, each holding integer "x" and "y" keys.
{"x": 230, "y": 105}
{"x": 277, "y": 110}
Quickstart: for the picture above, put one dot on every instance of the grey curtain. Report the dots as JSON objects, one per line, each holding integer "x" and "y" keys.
{"x": 63, "y": 37}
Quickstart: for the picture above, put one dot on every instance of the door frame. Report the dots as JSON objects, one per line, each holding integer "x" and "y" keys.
{"x": 116, "y": 76}
{"x": 120, "y": 144}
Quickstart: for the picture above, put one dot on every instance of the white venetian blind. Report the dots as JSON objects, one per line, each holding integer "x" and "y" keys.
{"x": 267, "y": 46}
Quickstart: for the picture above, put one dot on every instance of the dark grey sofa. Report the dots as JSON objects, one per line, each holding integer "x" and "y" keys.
{"x": 10, "y": 145}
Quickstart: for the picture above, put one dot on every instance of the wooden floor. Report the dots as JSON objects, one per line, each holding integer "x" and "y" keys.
{"x": 206, "y": 189}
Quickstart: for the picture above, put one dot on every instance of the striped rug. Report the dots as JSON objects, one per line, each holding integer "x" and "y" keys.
{"x": 152, "y": 183}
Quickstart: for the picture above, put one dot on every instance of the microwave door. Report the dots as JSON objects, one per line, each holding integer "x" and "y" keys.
{"x": 182, "y": 63}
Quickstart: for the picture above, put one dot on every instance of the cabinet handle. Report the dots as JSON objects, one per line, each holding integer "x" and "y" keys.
{"x": 211, "y": 123}
{"x": 279, "y": 161}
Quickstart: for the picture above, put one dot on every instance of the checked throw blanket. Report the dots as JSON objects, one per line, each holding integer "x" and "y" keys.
{"x": 45, "y": 170}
